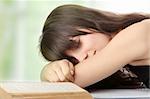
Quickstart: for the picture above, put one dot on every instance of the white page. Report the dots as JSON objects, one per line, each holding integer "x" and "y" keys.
{"x": 39, "y": 87}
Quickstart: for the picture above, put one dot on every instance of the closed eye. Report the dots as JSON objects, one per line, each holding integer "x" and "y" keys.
{"x": 86, "y": 57}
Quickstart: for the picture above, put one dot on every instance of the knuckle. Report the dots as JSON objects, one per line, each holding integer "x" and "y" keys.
{"x": 67, "y": 74}
{"x": 63, "y": 78}
{"x": 65, "y": 61}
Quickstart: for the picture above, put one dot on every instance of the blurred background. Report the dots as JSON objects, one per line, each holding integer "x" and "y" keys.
{"x": 21, "y": 23}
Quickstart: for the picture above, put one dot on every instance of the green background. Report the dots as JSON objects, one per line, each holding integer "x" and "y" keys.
{"x": 21, "y": 23}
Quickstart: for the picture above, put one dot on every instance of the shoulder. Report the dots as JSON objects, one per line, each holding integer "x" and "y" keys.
{"x": 133, "y": 40}
{"x": 137, "y": 37}
{"x": 138, "y": 31}
{"x": 146, "y": 24}
{"x": 147, "y": 21}
{"x": 139, "y": 26}
{"x": 143, "y": 27}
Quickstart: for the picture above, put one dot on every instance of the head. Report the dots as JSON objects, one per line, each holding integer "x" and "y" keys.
{"x": 75, "y": 32}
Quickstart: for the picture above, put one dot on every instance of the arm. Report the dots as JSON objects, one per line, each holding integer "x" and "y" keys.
{"x": 128, "y": 45}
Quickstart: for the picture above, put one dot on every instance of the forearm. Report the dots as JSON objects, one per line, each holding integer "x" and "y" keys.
{"x": 124, "y": 48}
{"x": 96, "y": 68}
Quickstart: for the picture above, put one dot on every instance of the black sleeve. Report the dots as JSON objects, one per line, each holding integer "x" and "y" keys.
{"x": 118, "y": 80}
{"x": 143, "y": 73}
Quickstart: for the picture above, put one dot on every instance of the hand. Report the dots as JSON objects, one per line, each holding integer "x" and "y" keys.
{"x": 58, "y": 71}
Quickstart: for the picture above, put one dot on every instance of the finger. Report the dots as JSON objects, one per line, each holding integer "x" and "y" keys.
{"x": 66, "y": 80}
{"x": 44, "y": 72}
{"x": 60, "y": 74}
{"x": 65, "y": 67}
{"x": 52, "y": 77}
{"x": 70, "y": 77}
{"x": 67, "y": 77}
{"x": 61, "y": 71}
{"x": 66, "y": 70}
{"x": 72, "y": 69}
{"x": 70, "y": 73}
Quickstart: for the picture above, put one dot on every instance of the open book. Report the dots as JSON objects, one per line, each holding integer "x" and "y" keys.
{"x": 42, "y": 90}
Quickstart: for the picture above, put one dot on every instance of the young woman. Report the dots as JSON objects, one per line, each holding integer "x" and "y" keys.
{"x": 87, "y": 45}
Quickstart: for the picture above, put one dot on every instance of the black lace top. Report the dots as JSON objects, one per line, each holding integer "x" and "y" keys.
{"x": 127, "y": 77}
{"x": 143, "y": 73}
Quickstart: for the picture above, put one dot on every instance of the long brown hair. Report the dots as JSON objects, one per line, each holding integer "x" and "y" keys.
{"x": 64, "y": 20}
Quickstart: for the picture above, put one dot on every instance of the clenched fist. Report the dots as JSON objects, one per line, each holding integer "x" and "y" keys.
{"x": 58, "y": 71}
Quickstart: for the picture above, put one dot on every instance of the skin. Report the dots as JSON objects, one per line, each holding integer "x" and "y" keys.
{"x": 89, "y": 45}
{"x": 101, "y": 55}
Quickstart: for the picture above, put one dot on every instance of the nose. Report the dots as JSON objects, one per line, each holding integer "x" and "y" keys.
{"x": 81, "y": 57}
{"x": 91, "y": 53}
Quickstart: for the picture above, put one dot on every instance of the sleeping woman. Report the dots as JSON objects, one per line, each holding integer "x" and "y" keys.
{"x": 86, "y": 46}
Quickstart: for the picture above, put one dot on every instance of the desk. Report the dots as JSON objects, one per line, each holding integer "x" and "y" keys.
{"x": 121, "y": 94}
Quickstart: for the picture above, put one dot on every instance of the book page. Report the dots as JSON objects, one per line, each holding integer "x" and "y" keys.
{"x": 39, "y": 87}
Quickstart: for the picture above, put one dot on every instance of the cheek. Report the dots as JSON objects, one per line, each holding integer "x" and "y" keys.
{"x": 87, "y": 44}
{"x": 98, "y": 42}
{"x": 102, "y": 43}
{"x": 93, "y": 42}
